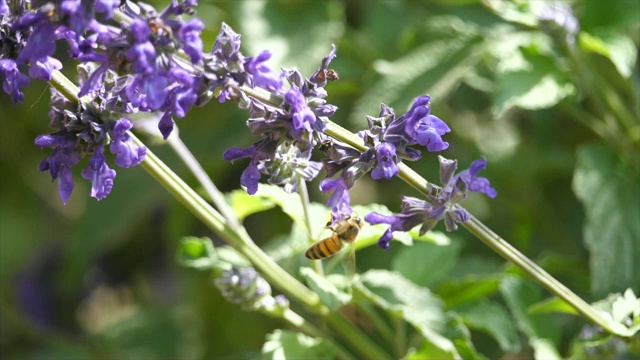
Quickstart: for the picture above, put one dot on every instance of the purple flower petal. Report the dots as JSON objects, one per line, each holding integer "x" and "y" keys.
{"x": 100, "y": 175}
{"x": 127, "y": 153}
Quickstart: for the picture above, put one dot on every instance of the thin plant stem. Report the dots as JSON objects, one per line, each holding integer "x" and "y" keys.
{"x": 306, "y": 327}
{"x": 498, "y": 244}
{"x": 216, "y": 222}
{"x": 400, "y": 338}
{"x": 192, "y": 163}
{"x": 304, "y": 199}
{"x": 380, "y": 324}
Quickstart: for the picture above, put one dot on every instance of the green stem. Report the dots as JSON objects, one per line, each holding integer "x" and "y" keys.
{"x": 504, "y": 249}
{"x": 359, "y": 341}
{"x": 496, "y": 243}
{"x": 304, "y": 199}
{"x": 380, "y": 324}
{"x": 192, "y": 163}
{"x": 306, "y": 327}
{"x": 216, "y": 222}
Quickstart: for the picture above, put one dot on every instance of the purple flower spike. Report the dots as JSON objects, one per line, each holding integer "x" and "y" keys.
{"x": 100, "y": 175}
{"x": 59, "y": 165}
{"x": 127, "y": 153}
{"x": 263, "y": 76}
{"x": 41, "y": 44}
{"x": 424, "y": 128}
{"x": 398, "y": 222}
{"x": 387, "y": 159}
{"x": 477, "y": 184}
{"x": 189, "y": 34}
{"x": 250, "y": 177}
{"x": 43, "y": 68}
{"x": 303, "y": 117}
{"x": 340, "y": 202}
{"x": 14, "y": 80}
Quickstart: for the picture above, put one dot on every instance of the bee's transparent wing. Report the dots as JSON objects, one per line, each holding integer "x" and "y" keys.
{"x": 349, "y": 261}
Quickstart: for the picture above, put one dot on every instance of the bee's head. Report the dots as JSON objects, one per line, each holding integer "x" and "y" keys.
{"x": 354, "y": 220}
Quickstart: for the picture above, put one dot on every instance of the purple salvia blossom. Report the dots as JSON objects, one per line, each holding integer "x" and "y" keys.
{"x": 43, "y": 68}
{"x": 4, "y": 7}
{"x": 127, "y": 153}
{"x": 81, "y": 131}
{"x": 443, "y": 204}
{"x": 262, "y": 75}
{"x": 302, "y": 116}
{"x": 142, "y": 54}
{"x": 387, "y": 160}
{"x": 189, "y": 34}
{"x": 340, "y": 201}
{"x": 288, "y": 132}
{"x": 14, "y": 80}
{"x": 100, "y": 175}
{"x": 389, "y": 138}
{"x": 423, "y": 128}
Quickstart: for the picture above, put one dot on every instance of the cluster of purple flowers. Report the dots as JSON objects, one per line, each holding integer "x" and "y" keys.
{"x": 288, "y": 131}
{"x": 441, "y": 205}
{"x": 154, "y": 62}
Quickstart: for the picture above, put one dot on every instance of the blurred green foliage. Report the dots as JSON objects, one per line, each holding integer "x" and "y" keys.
{"x": 560, "y": 129}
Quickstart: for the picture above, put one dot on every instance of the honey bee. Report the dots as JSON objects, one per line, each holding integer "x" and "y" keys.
{"x": 344, "y": 231}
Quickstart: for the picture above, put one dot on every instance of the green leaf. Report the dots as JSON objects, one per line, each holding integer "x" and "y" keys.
{"x": 524, "y": 13}
{"x": 416, "y": 305}
{"x": 540, "y": 86}
{"x": 542, "y": 329}
{"x": 328, "y": 292}
{"x": 197, "y": 253}
{"x": 552, "y": 305}
{"x": 244, "y": 204}
{"x": 455, "y": 292}
{"x": 458, "y": 332}
{"x": 426, "y": 263}
{"x": 289, "y": 203}
{"x": 610, "y": 194}
{"x": 435, "y": 68}
{"x": 298, "y": 34}
{"x": 283, "y": 344}
{"x": 617, "y": 47}
{"x": 492, "y": 318}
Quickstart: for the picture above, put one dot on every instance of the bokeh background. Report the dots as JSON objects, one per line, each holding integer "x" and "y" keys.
{"x": 100, "y": 279}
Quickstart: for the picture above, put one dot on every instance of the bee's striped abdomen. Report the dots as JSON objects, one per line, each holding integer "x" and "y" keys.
{"x": 324, "y": 248}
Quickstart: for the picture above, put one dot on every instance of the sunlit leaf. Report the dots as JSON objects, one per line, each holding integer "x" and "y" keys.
{"x": 610, "y": 194}
{"x": 492, "y": 318}
{"x": 329, "y": 293}
{"x": 299, "y": 34}
{"x": 455, "y": 292}
{"x": 283, "y": 344}
{"x": 244, "y": 204}
{"x": 425, "y": 263}
{"x": 540, "y": 86}
{"x": 552, "y": 305}
{"x": 618, "y": 47}
{"x": 416, "y": 305}
{"x": 542, "y": 330}
{"x": 289, "y": 203}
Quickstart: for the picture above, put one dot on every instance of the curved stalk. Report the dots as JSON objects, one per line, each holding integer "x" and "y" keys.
{"x": 238, "y": 240}
{"x": 497, "y": 244}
